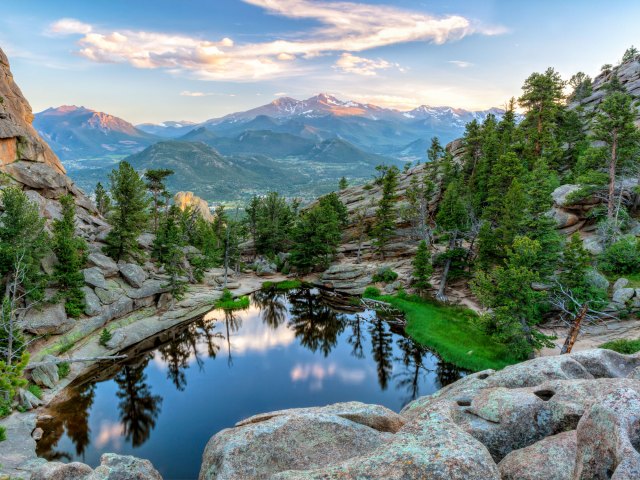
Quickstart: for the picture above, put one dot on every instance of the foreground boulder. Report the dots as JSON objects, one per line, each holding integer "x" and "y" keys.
{"x": 573, "y": 417}
{"x": 112, "y": 467}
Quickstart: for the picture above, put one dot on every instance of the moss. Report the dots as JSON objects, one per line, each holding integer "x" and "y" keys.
{"x": 623, "y": 345}
{"x": 452, "y": 332}
{"x": 283, "y": 285}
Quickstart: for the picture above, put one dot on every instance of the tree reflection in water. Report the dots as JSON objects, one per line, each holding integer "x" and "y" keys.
{"x": 138, "y": 408}
{"x": 318, "y": 323}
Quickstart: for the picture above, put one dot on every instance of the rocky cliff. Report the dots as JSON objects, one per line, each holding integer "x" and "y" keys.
{"x": 570, "y": 417}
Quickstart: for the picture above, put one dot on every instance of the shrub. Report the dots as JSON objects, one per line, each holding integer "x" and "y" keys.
{"x": 623, "y": 345}
{"x": 371, "y": 292}
{"x": 105, "y": 336}
{"x": 63, "y": 369}
{"x": 622, "y": 256}
{"x": 3, "y": 434}
{"x": 66, "y": 346}
{"x": 385, "y": 275}
{"x": 227, "y": 302}
{"x": 36, "y": 390}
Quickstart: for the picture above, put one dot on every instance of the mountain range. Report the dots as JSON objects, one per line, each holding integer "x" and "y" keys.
{"x": 309, "y": 143}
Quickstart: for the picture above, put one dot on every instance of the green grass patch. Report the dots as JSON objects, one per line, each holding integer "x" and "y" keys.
{"x": 283, "y": 285}
{"x": 452, "y": 332}
{"x": 3, "y": 434}
{"x": 227, "y": 302}
{"x": 36, "y": 390}
{"x": 634, "y": 279}
{"x": 623, "y": 345}
{"x": 63, "y": 369}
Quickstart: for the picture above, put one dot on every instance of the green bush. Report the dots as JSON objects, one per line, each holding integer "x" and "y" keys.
{"x": 371, "y": 292}
{"x": 623, "y": 345}
{"x": 63, "y": 369}
{"x": 36, "y": 390}
{"x": 3, "y": 434}
{"x": 385, "y": 275}
{"x": 105, "y": 336}
{"x": 283, "y": 285}
{"x": 227, "y": 302}
{"x": 621, "y": 257}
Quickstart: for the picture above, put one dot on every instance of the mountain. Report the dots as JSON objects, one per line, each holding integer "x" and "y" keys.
{"x": 168, "y": 129}
{"x": 78, "y": 132}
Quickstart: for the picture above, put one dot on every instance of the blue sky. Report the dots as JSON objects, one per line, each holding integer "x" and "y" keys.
{"x": 198, "y": 59}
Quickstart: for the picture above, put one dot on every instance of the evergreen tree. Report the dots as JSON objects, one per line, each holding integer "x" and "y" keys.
{"x": 333, "y": 202}
{"x": 274, "y": 221}
{"x": 71, "y": 252}
{"x": 103, "y": 201}
{"x": 169, "y": 252}
{"x": 416, "y": 212}
{"x": 516, "y": 308}
{"x": 343, "y": 184}
{"x": 582, "y": 86}
{"x": 435, "y": 151}
{"x": 385, "y": 221}
{"x": 315, "y": 236}
{"x": 542, "y": 101}
{"x": 156, "y": 185}
{"x": 614, "y": 125}
{"x": 422, "y": 268}
{"x": 129, "y": 216}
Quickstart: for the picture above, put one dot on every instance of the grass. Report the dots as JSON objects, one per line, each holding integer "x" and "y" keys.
{"x": 63, "y": 369}
{"x": 452, "y": 333}
{"x": 283, "y": 285}
{"x": 227, "y": 302}
{"x": 3, "y": 434}
{"x": 66, "y": 346}
{"x": 623, "y": 345}
{"x": 36, "y": 390}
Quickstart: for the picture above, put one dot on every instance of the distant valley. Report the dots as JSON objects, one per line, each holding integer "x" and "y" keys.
{"x": 300, "y": 148}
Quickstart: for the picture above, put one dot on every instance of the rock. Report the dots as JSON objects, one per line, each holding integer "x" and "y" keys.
{"x": 263, "y": 267}
{"x": 623, "y": 295}
{"x": 598, "y": 280}
{"x": 620, "y": 283}
{"x": 148, "y": 288}
{"x": 593, "y": 245}
{"x": 552, "y": 458}
{"x": 350, "y": 278}
{"x": 62, "y": 471}
{"x": 563, "y": 218}
{"x": 608, "y": 438}
{"x": 133, "y": 274}
{"x": 560, "y": 195}
{"x": 286, "y": 442}
{"x": 37, "y": 434}
{"x": 165, "y": 300}
{"x": 117, "y": 340}
{"x": 48, "y": 263}
{"x": 94, "y": 277}
{"x": 392, "y": 287}
{"x": 28, "y": 400}
{"x": 48, "y": 319}
{"x": 146, "y": 240}
{"x": 188, "y": 199}
{"x": 46, "y": 375}
{"x": 110, "y": 294}
{"x": 124, "y": 467}
{"x": 92, "y": 304}
{"x": 104, "y": 263}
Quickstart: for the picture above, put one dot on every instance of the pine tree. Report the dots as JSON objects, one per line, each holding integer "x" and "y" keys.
{"x": 332, "y": 201}
{"x": 516, "y": 308}
{"x": 71, "y": 252}
{"x": 614, "y": 125}
{"x": 103, "y": 201}
{"x": 168, "y": 250}
{"x": 435, "y": 151}
{"x": 156, "y": 185}
{"x": 343, "y": 184}
{"x": 385, "y": 221}
{"x": 422, "y": 268}
{"x": 315, "y": 237}
{"x": 129, "y": 216}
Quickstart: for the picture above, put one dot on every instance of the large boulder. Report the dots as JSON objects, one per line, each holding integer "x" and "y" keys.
{"x": 47, "y": 319}
{"x": 46, "y": 375}
{"x": 92, "y": 304}
{"x": 111, "y": 293}
{"x": 94, "y": 277}
{"x": 133, "y": 274}
{"x": 62, "y": 471}
{"x": 104, "y": 263}
{"x": 573, "y": 417}
{"x": 124, "y": 467}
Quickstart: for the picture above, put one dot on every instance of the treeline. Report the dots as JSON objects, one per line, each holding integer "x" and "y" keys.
{"x": 493, "y": 221}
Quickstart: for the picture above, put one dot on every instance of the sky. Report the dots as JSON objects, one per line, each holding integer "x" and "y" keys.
{"x": 152, "y": 61}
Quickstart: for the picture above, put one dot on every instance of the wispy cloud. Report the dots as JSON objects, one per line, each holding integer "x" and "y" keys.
{"x": 187, "y": 93}
{"x": 361, "y": 66}
{"x": 461, "y": 63}
{"x": 345, "y": 27}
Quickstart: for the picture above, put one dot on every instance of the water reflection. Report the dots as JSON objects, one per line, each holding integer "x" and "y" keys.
{"x": 287, "y": 350}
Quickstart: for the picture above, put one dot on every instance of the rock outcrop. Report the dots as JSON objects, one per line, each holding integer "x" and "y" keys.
{"x": 112, "y": 467}
{"x": 573, "y": 417}
{"x": 188, "y": 199}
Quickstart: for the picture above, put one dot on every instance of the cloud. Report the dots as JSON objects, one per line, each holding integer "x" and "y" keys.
{"x": 361, "y": 66}
{"x": 461, "y": 63}
{"x": 345, "y": 27}
{"x": 187, "y": 93}
{"x": 315, "y": 373}
{"x": 280, "y": 94}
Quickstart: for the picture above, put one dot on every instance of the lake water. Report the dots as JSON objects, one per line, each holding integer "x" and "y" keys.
{"x": 289, "y": 349}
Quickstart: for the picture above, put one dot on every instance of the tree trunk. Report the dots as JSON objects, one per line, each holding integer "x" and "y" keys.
{"x": 445, "y": 272}
{"x": 575, "y": 330}
{"x": 612, "y": 176}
